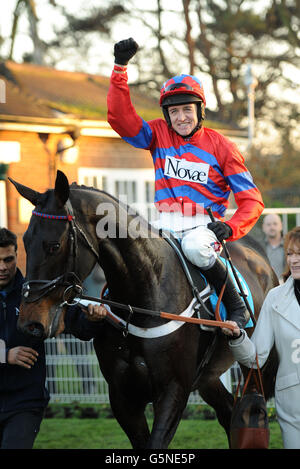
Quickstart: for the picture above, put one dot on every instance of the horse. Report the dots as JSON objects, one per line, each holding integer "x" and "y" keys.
{"x": 73, "y": 227}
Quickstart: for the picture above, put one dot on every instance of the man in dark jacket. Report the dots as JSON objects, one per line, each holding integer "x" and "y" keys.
{"x": 23, "y": 395}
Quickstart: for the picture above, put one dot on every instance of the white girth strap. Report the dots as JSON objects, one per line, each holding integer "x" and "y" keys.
{"x": 158, "y": 331}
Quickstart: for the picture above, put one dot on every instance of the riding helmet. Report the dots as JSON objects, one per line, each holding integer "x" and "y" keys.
{"x": 182, "y": 89}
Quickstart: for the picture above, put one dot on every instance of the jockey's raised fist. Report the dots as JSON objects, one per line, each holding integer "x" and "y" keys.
{"x": 125, "y": 50}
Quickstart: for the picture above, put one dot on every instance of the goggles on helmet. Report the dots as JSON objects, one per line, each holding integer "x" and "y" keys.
{"x": 177, "y": 86}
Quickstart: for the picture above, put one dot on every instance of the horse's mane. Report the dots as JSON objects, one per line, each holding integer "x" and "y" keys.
{"x": 76, "y": 186}
{"x": 128, "y": 208}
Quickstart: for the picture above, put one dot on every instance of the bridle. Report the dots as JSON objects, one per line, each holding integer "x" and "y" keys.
{"x": 34, "y": 290}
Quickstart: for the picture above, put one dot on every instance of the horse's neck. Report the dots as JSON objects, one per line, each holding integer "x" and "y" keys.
{"x": 131, "y": 266}
{"x": 131, "y": 269}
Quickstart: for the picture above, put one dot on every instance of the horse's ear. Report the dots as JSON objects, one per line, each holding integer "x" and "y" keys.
{"x": 29, "y": 194}
{"x": 62, "y": 188}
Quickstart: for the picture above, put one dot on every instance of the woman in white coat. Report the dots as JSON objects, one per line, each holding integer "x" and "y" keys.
{"x": 279, "y": 323}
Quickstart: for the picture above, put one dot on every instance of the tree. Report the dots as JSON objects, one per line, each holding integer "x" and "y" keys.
{"x": 217, "y": 40}
{"x": 81, "y": 32}
{"x": 220, "y": 39}
{"x": 277, "y": 174}
{"x": 72, "y": 36}
{"x": 231, "y": 34}
{"x": 214, "y": 39}
{"x": 29, "y": 7}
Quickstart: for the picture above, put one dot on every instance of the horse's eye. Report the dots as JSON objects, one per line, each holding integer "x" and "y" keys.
{"x": 52, "y": 248}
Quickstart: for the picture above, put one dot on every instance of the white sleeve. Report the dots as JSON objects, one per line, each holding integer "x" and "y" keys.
{"x": 244, "y": 349}
{"x": 2, "y": 351}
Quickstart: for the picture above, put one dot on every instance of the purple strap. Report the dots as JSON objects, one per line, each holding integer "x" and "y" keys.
{"x": 52, "y": 217}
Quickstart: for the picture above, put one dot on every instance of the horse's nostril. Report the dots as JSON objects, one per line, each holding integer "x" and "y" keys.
{"x": 35, "y": 329}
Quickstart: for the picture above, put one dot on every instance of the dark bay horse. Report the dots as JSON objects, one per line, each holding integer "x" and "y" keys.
{"x": 72, "y": 228}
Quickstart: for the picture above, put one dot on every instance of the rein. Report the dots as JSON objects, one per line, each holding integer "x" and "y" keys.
{"x": 160, "y": 314}
{"x": 70, "y": 280}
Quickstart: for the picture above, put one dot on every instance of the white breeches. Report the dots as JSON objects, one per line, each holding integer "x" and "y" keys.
{"x": 199, "y": 244}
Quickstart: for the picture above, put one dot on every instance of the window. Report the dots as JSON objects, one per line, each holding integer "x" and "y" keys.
{"x": 133, "y": 186}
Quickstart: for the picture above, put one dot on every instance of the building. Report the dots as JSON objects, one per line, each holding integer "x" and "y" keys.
{"x": 51, "y": 119}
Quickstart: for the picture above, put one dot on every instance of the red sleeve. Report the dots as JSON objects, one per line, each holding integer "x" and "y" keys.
{"x": 121, "y": 114}
{"x": 250, "y": 206}
{"x": 247, "y": 196}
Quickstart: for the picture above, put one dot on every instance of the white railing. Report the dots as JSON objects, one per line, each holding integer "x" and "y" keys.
{"x": 73, "y": 373}
{"x": 283, "y": 212}
{"x": 150, "y": 213}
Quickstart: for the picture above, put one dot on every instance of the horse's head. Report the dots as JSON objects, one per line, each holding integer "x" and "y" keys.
{"x": 51, "y": 264}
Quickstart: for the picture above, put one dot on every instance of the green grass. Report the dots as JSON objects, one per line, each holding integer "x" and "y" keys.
{"x": 105, "y": 433}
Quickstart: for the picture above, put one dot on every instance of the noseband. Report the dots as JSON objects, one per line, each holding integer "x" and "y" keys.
{"x": 34, "y": 290}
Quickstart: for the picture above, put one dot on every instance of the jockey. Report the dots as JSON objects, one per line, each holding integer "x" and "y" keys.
{"x": 195, "y": 168}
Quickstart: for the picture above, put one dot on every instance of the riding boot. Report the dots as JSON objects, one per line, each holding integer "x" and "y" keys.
{"x": 235, "y": 306}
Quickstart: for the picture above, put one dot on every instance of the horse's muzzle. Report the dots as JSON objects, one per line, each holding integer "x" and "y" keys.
{"x": 42, "y": 319}
{"x": 34, "y": 329}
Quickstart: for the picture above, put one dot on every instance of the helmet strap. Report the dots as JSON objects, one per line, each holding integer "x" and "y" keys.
{"x": 166, "y": 115}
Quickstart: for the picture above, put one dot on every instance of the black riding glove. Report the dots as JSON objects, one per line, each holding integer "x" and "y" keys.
{"x": 221, "y": 230}
{"x": 125, "y": 50}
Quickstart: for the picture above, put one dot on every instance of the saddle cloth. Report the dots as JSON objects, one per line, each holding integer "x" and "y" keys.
{"x": 198, "y": 276}
{"x": 246, "y": 290}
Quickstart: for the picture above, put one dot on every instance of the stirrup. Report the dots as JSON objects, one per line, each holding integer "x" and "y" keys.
{"x": 203, "y": 326}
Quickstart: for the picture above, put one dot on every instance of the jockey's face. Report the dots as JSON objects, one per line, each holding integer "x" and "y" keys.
{"x": 183, "y": 118}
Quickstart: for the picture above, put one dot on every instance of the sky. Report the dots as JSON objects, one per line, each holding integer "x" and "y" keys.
{"x": 121, "y": 30}
{"x": 45, "y": 27}
{"x": 100, "y": 53}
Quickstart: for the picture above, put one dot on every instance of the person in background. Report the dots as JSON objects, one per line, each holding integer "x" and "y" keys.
{"x": 279, "y": 324}
{"x": 273, "y": 243}
{"x": 196, "y": 168}
{"x": 23, "y": 395}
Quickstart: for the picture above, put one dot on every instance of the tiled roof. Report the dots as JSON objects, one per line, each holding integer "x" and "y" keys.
{"x": 34, "y": 92}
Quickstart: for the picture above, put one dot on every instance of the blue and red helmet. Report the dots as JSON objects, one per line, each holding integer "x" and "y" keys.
{"x": 182, "y": 89}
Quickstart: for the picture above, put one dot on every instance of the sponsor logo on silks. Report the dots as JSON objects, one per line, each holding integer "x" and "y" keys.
{"x": 186, "y": 170}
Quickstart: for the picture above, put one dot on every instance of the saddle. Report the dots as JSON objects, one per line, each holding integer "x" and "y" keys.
{"x": 195, "y": 277}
